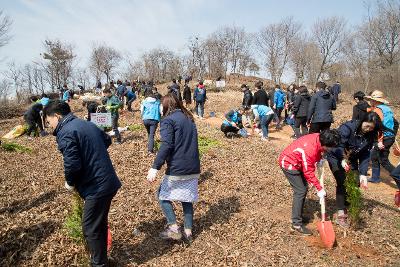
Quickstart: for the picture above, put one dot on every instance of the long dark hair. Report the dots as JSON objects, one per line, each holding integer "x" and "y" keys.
{"x": 374, "y": 118}
{"x": 170, "y": 103}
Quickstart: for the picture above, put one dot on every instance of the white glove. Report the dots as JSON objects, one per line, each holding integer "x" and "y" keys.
{"x": 363, "y": 181}
{"x": 151, "y": 175}
{"x": 321, "y": 193}
{"x": 68, "y": 187}
{"x": 381, "y": 145}
{"x": 321, "y": 163}
{"x": 345, "y": 166}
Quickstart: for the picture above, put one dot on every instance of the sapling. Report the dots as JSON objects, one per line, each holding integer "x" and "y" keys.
{"x": 354, "y": 197}
{"x": 73, "y": 222}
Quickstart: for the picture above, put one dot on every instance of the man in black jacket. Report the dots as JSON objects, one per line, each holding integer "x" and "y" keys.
{"x": 320, "y": 110}
{"x": 300, "y": 109}
{"x": 360, "y": 109}
{"x": 260, "y": 97}
{"x": 89, "y": 170}
{"x": 34, "y": 118}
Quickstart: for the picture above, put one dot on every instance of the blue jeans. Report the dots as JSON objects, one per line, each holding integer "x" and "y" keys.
{"x": 200, "y": 109}
{"x": 169, "y": 213}
{"x": 151, "y": 127}
{"x": 265, "y": 121}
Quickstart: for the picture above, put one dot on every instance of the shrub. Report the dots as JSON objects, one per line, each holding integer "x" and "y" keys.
{"x": 14, "y": 147}
{"x": 206, "y": 143}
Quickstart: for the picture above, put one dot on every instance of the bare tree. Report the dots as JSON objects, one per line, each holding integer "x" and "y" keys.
{"x": 5, "y": 26}
{"x": 104, "y": 59}
{"x": 329, "y": 34}
{"x": 15, "y": 75}
{"x": 274, "y": 42}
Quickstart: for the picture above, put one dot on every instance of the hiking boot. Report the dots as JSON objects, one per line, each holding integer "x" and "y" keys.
{"x": 342, "y": 221}
{"x": 301, "y": 229}
{"x": 168, "y": 233}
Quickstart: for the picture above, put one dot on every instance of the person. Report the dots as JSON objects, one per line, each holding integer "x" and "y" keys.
{"x": 233, "y": 122}
{"x": 179, "y": 149}
{"x": 121, "y": 92}
{"x": 319, "y": 114}
{"x": 156, "y": 94}
{"x": 113, "y": 105}
{"x": 279, "y": 102}
{"x": 176, "y": 89}
{"x": 300, "y": 109}
{"x": 264, "y": 115}
{"x": 246, "y": 103}
{"x": 91, "y": 107}
{"x": 356, "y": 141}
{"x": 187, "y": 95}
{"x": 130, "y": 97}
{"x": 298, "y": 162}
{"x": 33, "y": 117}
{"x": 98, "y": 87}
{"x": 380, "y": 153}
{"x": 200, "y": 97}
{"x": 66, "y": 94}
{"x": 336, "y": 90}
{"x": 260, "y": 97}
{"x": 44, "y": 100}
{"x": 360, "y": 109}
{"x": 88, "y": 170}
{"x": 150, "y": 109}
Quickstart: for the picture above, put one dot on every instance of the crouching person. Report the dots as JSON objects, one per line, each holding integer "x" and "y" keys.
{"x": 34, "y": 119}
{"x": 233, "y": 122}
{"x": 179, "y": 149}
{"x": 298, "y": 162}
{"x": 265, "y": 115}
{"x": 89, "y": 170}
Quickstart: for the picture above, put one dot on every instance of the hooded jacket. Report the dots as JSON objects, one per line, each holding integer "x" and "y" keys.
{"x": 302, "y": 155}
{"x": 87, "y": 165}
{"x": 279, "y": 98}
{"x": 247, "y": 99}
{"x": 321, "y": 106}
{"x": 33, "y": 113}
{"x": 151, "y": 109}
{"x": 200, "y": 94}
{"x": 301, "y": 105}
{"x": 360, "y": 110}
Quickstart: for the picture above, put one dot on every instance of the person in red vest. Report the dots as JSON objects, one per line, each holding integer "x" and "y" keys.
{"x": 298, "y": 162}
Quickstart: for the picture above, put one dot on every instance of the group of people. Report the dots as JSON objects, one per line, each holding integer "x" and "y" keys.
{"x": 89, "y": 171}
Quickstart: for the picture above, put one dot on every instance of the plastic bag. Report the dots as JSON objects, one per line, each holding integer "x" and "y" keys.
{"x": 15, "y": 132}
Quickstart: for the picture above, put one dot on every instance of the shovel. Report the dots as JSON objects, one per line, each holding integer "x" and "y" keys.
{"x": 325, "y": 227}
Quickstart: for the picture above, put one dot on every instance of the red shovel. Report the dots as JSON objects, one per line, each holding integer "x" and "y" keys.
{"x": 325, "y": 227}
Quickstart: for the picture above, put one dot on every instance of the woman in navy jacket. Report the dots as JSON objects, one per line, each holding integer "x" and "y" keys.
{"x": 357, "y": 139}
{"x": 179, "y": 149}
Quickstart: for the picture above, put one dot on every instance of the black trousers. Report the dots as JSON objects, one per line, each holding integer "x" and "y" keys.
{"x": 318, "y": 127}
{"x": 300, "y": 122}
{"x": 94, "y": 225}
{"x": 340, "y": 176}
{"x": 229, "y": 129}
{"x": 33, "y": 124}
{"x": 381, "y": 157}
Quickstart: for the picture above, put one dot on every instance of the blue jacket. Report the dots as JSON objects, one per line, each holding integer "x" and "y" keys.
{"x": 200, "y": 94}
{"x": 121, "y": 90}
{"x": 66, "y": 96}
{"x": 336, "y": 89}
{"x": 44, "y": 101}
{"x": 356, "y": 144}
{"x": 388, "y": 120}
{"x": 150, "y": 109}
{"x": 279, "y": 99}
{"x": 130, "y": 95}
{"x": 179, "y": 147}
{"x": 87, "y": 165}
{"x": 261, "y": 110}
{"x": 232, "y": 116}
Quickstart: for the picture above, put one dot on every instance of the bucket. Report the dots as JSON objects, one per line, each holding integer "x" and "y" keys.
{"x": 396, "y": 150}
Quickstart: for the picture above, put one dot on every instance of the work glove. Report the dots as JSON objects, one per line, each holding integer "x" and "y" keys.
{"x": 321, "y": 193}
{"x": 363, "y": 181}
{"x": 68, "y": 187}
{"x": 151, "y": 175}
{"x": 345, "y": 166}
{"x": 321, "y": 163}
{"x": 381, "y": 145}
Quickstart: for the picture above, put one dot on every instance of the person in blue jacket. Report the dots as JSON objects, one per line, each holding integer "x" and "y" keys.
{"x": 233, "y": 122}
{"x": 151, "y": 110}
{"x": 200, "y": 97}
{"x": 279, "y": 103}
{"x": 88, "y": 170}
{"x": 353, "y": 152}
{"x": 180, "y": 150}
{"x": 66, "y": 94}
{"x": 130, "y": 97}
{"x": 264, "y": 115}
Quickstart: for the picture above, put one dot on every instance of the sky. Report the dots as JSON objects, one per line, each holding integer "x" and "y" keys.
{"x": 133, "y": 26}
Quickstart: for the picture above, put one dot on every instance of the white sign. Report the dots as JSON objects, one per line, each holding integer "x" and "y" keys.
{"x": 101, "y": 119}
{"x": 220, "y": 84}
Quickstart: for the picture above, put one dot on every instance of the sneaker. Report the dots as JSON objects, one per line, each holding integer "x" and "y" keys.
{"x": 342, "y": 221}
{"x": 168, "y": 233}
{"x": 375, "y": 180}
{"x": 230, "y": 135}
{"x": 188, "y": 238}
{"x": 264, "y": 139}
{"x": 117, "y": 142}
{"x": 301, "y": 229}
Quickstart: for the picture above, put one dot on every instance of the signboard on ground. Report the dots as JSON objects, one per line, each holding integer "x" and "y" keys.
{"x": 101, "y": 119}
{"x": 220, "y": 84}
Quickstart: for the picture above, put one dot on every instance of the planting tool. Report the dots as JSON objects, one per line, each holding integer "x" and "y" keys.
{"x": 325, "y": 227}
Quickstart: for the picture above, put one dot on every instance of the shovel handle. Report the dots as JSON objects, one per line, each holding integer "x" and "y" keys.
{"x": 322, "y": 200}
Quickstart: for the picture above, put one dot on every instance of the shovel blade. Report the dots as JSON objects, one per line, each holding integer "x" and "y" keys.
{"x": 327, "y": 234}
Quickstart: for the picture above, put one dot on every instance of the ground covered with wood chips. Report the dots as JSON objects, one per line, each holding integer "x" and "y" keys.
{"x": 242, "y": 218}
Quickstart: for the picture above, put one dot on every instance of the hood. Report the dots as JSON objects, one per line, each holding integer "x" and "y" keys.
{"x": 150, "y": 99}
{"x": 69, "y": 117}
{"x": 324, "y": 94}
{"x": 305, "y": 95}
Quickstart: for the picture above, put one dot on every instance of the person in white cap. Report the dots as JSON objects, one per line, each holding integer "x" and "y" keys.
{"x": 380, "y": 153}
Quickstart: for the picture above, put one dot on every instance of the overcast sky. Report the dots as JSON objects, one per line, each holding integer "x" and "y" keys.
{"x": 136, "y": 26}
